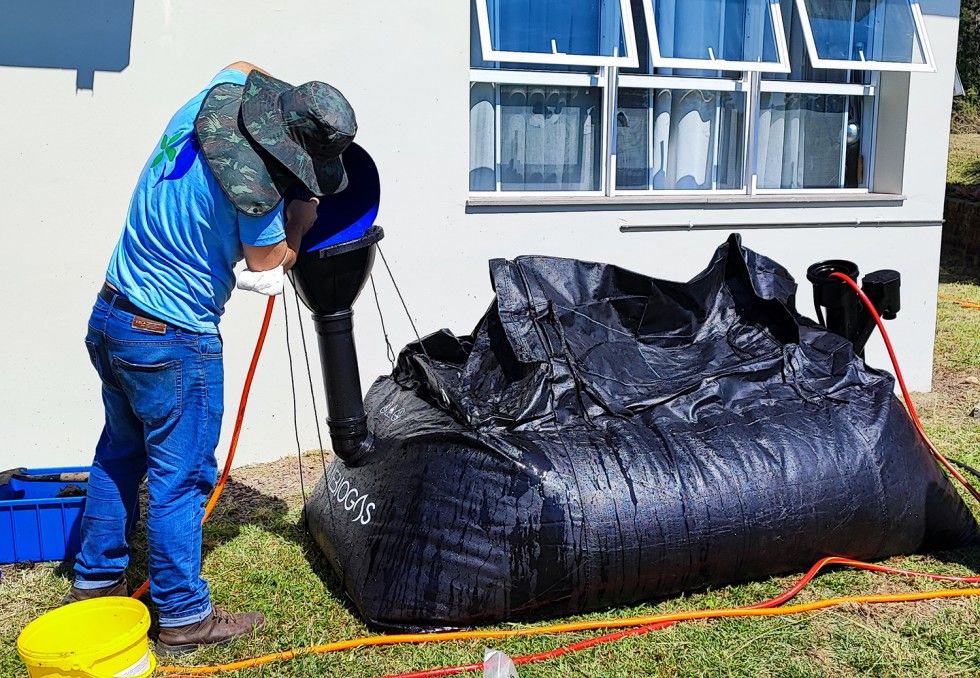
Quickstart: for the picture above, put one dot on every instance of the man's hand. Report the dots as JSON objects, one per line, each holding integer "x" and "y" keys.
{"x": 300, "y": 217}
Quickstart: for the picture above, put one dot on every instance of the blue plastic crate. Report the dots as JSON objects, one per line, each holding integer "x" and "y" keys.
{"x": 36, "y": 524}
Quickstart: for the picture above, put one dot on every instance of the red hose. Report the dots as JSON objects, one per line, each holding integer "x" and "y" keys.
{"x": 913, "y": 413}
{"x": 233, "y": 446}
{"x": 789, "y": 593}
{"x": 640, "y": 630}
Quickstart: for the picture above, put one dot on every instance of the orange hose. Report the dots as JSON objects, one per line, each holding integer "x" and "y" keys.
{"x": 572, "y": 627}
{"x": 233, "y": 446}
{"x": 639, "y": 630}
{"x": 962, "y": 302}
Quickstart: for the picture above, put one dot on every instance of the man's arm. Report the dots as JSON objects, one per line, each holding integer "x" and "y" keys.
{"x": 300, "y": 217}
{"x": 245, "y": 67}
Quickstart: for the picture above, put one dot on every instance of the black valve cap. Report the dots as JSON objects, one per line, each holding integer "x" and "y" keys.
{"x": 884, "y": 289}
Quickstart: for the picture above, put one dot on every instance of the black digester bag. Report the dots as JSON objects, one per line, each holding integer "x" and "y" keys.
{"x": 604, "y": 438}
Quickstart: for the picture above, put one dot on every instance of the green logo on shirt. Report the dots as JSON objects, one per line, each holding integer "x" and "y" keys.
{"x": 168, "y": 149}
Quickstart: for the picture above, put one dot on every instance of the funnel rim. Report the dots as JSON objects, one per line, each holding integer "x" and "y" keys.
{"x": 373, "y": 235}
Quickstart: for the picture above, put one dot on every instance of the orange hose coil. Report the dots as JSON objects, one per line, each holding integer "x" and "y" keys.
{"x": 962, "y": 302}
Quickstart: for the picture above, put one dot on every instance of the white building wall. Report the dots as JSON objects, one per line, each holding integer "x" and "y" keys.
{"x": 69, "y": 159}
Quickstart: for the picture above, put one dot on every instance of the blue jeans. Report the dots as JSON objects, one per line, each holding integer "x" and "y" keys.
{"x": 163, "y": 397}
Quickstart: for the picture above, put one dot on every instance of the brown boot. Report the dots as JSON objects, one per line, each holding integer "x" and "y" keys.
{"x": 76, "y": 594}
{"x": 219, "y": 628}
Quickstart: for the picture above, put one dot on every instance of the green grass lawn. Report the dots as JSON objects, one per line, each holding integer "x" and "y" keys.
{"x": 964, "y": 159}
{"x": 258, "y": 557}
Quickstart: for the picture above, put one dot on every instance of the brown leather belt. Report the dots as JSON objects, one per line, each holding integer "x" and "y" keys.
{"x": 117, "y": 299}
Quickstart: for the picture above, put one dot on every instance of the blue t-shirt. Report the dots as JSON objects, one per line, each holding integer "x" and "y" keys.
{"x": 183, "y": 236}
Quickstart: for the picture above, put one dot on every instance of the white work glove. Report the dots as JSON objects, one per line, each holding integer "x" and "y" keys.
{"x": 269, "y": 283}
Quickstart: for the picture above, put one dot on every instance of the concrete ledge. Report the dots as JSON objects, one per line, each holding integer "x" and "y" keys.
{"x": 556, "y": 202}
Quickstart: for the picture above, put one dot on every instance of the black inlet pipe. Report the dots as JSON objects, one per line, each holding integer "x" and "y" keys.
{"x": 342, "y": 380}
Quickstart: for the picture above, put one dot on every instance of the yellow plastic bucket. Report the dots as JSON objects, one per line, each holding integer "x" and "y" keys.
{"x": 98, "y": 638}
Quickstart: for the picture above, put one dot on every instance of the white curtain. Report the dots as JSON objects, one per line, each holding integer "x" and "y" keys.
{"x": 801, "y": 140}
{"x": 550, "y": 138}
{"x": 683, "y": 134}
{"x": 483, "y": 142}
{"x": 695, "y": 142}
{"x": 633, "y": 140}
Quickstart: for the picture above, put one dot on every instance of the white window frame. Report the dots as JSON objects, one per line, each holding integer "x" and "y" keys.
{"x": 848, "y": 64}
{"x": 804, "y": 87}
{"x": 538, "y": 78}
{"x": 714, "y": 64}
{"x": 630, "y": 60}
{"x": 669, "y": 82}
{"x": 749, "y": 81}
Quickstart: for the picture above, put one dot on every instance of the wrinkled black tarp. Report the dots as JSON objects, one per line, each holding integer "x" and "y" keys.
{"x": 604, "y": 438}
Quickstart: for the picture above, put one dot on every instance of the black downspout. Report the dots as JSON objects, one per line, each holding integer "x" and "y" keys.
{"x": 342, "y": 380}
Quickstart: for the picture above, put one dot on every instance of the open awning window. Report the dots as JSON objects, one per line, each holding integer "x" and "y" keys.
{"x": 717, "y": 35}
{"x": 880, "y": 35}
{"x": 558, "y": 32}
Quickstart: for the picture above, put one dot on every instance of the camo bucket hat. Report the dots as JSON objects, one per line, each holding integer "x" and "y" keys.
{"x": 260, "y": 139}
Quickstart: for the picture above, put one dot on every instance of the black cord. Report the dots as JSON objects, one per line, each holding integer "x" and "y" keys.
{"x": 966, "y": 467}
{"x": 402, "y": 299}
{"x": 309, "y": 376}
{"x": 292, "y": 386}
{"x": 384, "y": 330}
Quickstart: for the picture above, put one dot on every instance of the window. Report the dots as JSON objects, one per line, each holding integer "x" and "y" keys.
{"x": 879, "y": 34}
{"x": 716, "y": 34}
{"x": 809, "y": 141}
{"x": 557, "y": 32}
{"x": 535, "y": 138}
{"x": 724, "y": 96}
{"x": 815, "y": 126}
{"x": 679, "y": 139}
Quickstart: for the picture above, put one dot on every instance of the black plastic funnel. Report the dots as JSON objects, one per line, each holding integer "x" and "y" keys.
{"x": 335, "y": 262}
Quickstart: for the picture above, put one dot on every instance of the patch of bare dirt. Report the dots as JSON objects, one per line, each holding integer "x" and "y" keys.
{"x": 280, "y": 479}
{"x": 954, "y": 395}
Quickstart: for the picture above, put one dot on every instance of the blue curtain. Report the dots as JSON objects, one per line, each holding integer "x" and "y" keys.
{"x": 585, "y": 27}
{"x": 881, "y": 30}
{"x": 734, "y": 30}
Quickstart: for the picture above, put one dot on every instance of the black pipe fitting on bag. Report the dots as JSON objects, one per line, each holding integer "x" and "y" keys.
{"x": 328, "y": 281}
{"x": 845, "y": 314}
